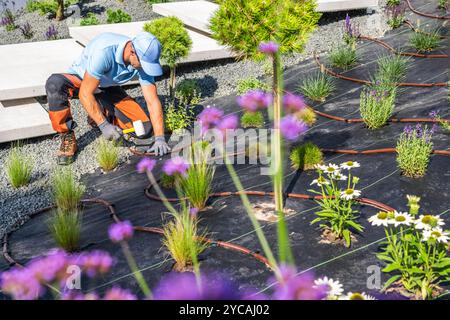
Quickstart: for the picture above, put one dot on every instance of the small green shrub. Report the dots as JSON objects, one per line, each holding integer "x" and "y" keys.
{"x": 188, "y": 92}
{"x": 392, "y": 69}
{"x": 307, "y": 115}
{"x": 252, "y": 120}
{"x": 167, "y": 181}
{"x": 251, "y": 83}
{"x": 317, "y": 87}
{"x": 306, "y": 156}
{"x": 377, "y": 104}
{"x": 425, "y": 41}
{"x": 175, "y": 41}
{"x": 413, "y": 150}
{"x": 65, "y": 227}
{"x": 67, "y": 191}
{"x": 343, "y": 57}
{"x": 392, "y": 3}
{"x": 107, "y": 154}
{"x": 90, "y": 20}
{"x": 117, "y": 16}
{"x": 197, "y": 183}
{"x": 444, "y": 4}
{"x": 182, "y": 241}
{"x": 53, "y": 7}
{"x": 18, "y": 166}
{"x": 177, "y": 117}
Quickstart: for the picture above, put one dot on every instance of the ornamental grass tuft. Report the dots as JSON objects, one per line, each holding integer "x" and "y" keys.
{"x": 67, "y": 191}
{"x": 317, "y": 87}
{"x": 343, "y": 57}
{"x": 306, "y": 156}
{"x": 65, "y": 227}
{"x": 18, "y": 166}
{"x": 107, "y": 154}
{"x": 425, "y": 41}
{"x": 391, "y": 69}
{"x": 252, "y": 119}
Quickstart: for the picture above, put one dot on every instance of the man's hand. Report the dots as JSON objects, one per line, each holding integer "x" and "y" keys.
{"x": 109, "y": 131}
{"x": 160, "y": 147}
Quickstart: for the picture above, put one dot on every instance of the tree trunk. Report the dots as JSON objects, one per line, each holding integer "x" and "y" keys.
{"x": 60, "y": 10}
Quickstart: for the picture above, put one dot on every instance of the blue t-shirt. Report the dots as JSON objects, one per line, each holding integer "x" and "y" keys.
{"x": 103, "y": 59}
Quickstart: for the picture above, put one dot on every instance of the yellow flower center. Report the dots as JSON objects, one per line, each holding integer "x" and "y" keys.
{"x": 357, "y": 296}
{"x": 350, "y": 163}
{"x": 382, "y": 215}
{"x": 400, "y": 218}
{"x": 331, "y": 169}
{"x": 436, "y": 234}
{"x": 321, "y": 180}
{"x": 427, "y": 219}
{"x": 349, "y": 191}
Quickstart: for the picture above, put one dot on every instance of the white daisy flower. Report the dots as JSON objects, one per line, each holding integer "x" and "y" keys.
{"x": 380, "y": 219}
{"x": 331, "y": 169}
{"x": 334, "y": 288}
{"x": 350, "y": 194}
{"x": 436, "y": 234}
{"x": 357, "y": 296}
{"x": 428, "y": 221}
{"x": 350, "y": 165}
{"x": 339, "y": 176}
{"x": 401, "y": 218}
{"x": 320, "y": 181}
{"x": 320, "y": 167}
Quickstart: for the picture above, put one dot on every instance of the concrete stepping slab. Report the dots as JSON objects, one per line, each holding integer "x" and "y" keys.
{"x": 203, "y": 47}
{"x": 22, "y": 119}
{"x": 343, "y": 5}
{"x": 25, "y": 67}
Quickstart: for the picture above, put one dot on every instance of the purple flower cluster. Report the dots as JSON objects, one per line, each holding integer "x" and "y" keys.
{"x": 294, "y": 287}
{"x": 209, "y": 117}
{"x": 176, "y": 165}
{"x": 395, "y": 12}
{"x": 418, "y": 132}
{"x": 145, "y": 164}
{"x": 268, "y": 47}
{"x": 117, "y": 293}
{"x": 293, "y": 103}
{"x": 229, "y": 122}
{"x": 51, "y": 33}
{"x": 348, "y": 26}
{"x": 28, "y": 283}
{"x": 292, "y": 128}
{"x": 254, "y": 100}
{"x": 121, "y": 231}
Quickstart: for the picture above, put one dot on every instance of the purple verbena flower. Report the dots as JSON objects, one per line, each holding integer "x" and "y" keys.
{"x": 75, "y": 295}
{"x": 291, "y": 128}
{"x": 193, "y": 212}
{"x": 210, "y": 116}
{"x": 229, "y": 122}
{"x": 296, "y": 287}
{"x": 176, "y": 165}
{"x": 145, "y": 164}
{"x": 117, "y": 293}
{"x": 268, "y": 47}
{"x": 254, "y": 100}
{"x": 293, "y": 103}
{"x": 95, "y": 262}
{"x": 21, "y": 284}
{"x": 121, "y": 231}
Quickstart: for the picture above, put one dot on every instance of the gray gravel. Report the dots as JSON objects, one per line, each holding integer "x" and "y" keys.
{"x": 217, "y": 79}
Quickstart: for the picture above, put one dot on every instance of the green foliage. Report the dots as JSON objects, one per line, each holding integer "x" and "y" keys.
{"x": 197, "y": 183}
{"x": 413, "y": 151}
{"x": 175, "y": 41}
{"x": 182, "y": 241}
{"x": 425, "y": 41}
{"x": 244, "y": 24}
{"x": 337, "y": 213}
{"x": 415, "y": 251}
{"x": 391, "y": 69}
{"x": 47, "y": 6}
{"x": 251, "y": 83}
{"x": 317, "y": 87}
{"x": 306, "y": 156}
{"x": 8, "y": 20}
{"x": 67, "y": 191}
{"x": 178, "y": 116}
{"x": 343, "y": 57}
{"x": 65, "y": 227}
{"x": 167, "y": 181}
{"x": 188, "y": 92}
{"x": 90, "y": 20}
{"x": 107, "y": 154}
{"x": 18, "y": 166}
{"x": 117, "y": 16}
{"x": 307, "y": 115}
{"x": 444, "y": 4}
{"x": 393, "y": 3}
{"x": 252, "y": 119}
{"x": 377, "y": 103}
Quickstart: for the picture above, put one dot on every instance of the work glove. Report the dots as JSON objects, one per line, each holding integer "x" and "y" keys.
{"x": 160, "y": 147}
{"x": 109, "y": 131}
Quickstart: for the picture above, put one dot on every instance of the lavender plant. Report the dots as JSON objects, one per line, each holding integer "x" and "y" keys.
{"x": 414, "y": 149}
{"x": 351, "y": 33}
{"x": 338, "y": 193}
{"x": 51, "y": 33}
{"x": 8, "y": 20}
{"x": 415, "y": 251}
{"x": 437, "y": 117}
{"x": 396, "y": 15}
{"x": 377, "y": 103}
{"x": 27, "y": 31}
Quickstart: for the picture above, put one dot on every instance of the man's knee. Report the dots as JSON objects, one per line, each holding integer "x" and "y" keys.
{"x": 57, "y": 91}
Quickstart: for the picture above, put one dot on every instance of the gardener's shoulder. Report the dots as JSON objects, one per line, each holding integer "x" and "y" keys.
{"x": 108, "y": 41}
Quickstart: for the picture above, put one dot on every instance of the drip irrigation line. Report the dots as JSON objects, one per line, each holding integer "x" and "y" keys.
{"x": 405, "y": 54}
{"x": 423, "y": 14}
{"x": 324, "y": 69}
{"x": 377, "y": 151}
{"x": 410, "y": 24}
{"x": 112, "y": 213}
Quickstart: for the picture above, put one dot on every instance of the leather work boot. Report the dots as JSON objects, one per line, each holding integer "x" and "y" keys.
{"x": 67, "y": 149}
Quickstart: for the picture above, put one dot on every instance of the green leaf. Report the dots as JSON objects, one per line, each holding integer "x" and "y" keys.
{"x": 391, "y": 281}
{"x": 391, "y": 267}
{"x": 347, "y": 237}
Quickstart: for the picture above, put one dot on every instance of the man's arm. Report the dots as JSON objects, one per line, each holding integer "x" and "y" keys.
{"x": 87, "y": 98}
{"x": 154, "y": 108}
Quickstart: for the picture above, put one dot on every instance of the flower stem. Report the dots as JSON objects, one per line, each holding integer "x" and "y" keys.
{"x": 136, "y": 273}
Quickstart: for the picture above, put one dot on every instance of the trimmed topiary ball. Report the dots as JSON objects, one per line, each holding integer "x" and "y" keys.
{"x": 252, "y": 120}
{"x": 306, "y": 156}
{"x": 307, "y": 115}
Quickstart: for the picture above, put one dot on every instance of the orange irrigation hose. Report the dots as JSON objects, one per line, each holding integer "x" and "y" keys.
{"x": 323, "y": 68}
{"x": 377, "y": 151}
{"x": 423, "y": 14}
